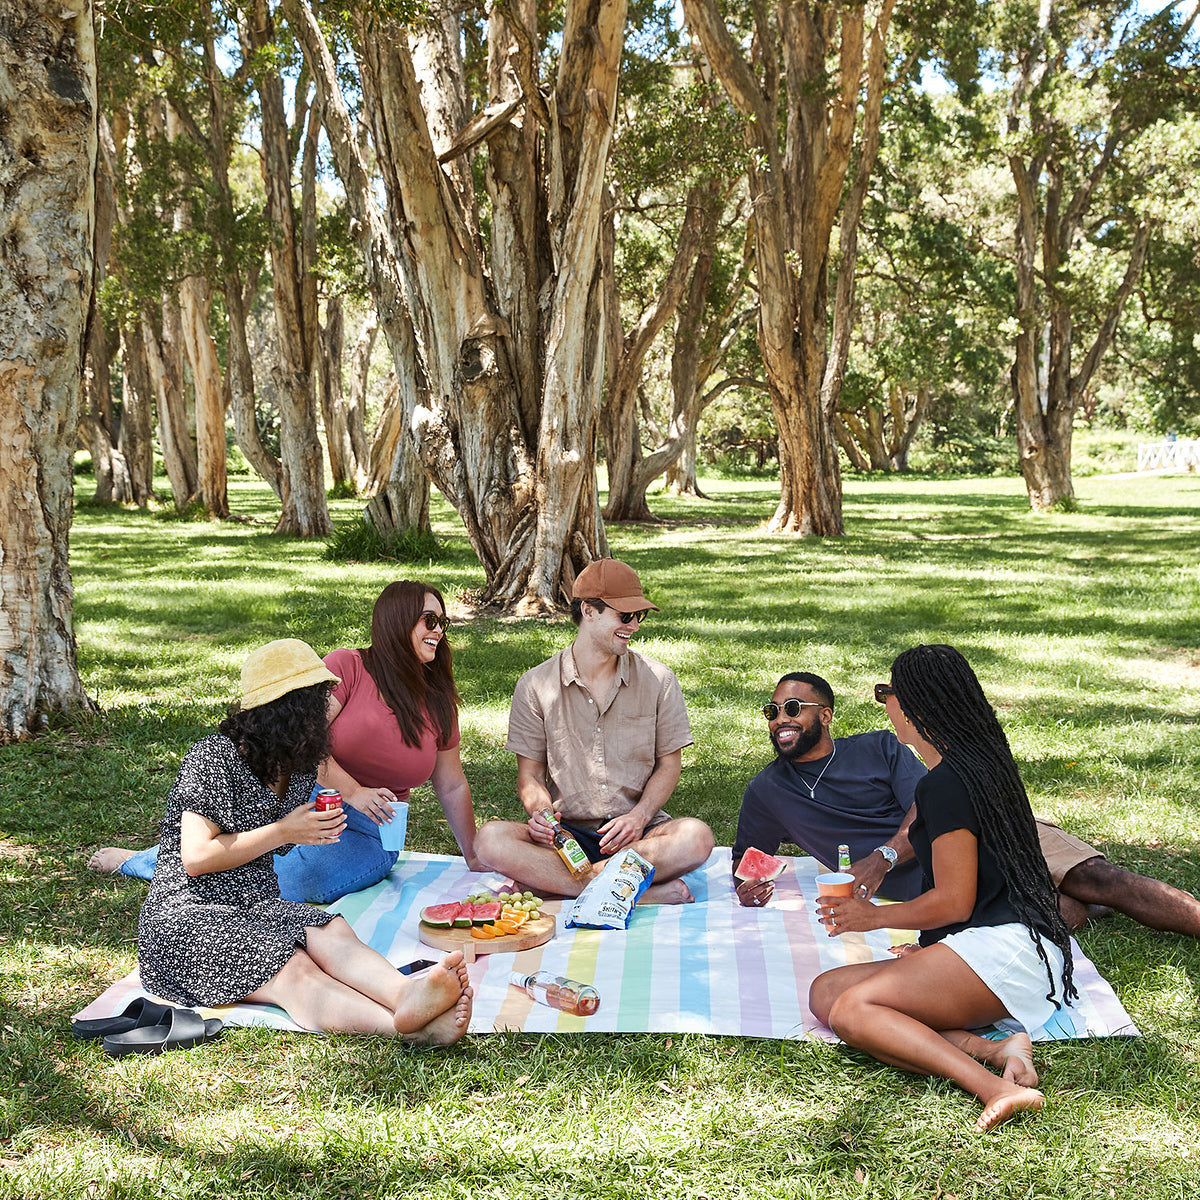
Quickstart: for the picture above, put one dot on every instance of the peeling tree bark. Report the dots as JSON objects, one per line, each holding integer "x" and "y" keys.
{"x": 47, "y": 204}
{"x": 505, "y": 365}
{"x": 828, "y": 53}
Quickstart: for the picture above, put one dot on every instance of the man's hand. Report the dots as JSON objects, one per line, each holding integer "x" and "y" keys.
{"x": 304, "y": 826}
{"x": 376, "y": 803}
{"x": 542, "y": 832}
{"x": 755, "y": 893}
{"x": 620, "y": 832}
{"x": 868, "y": 874}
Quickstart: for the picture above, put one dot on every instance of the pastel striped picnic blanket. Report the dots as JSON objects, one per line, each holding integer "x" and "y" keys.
{"x": 708, "y": 967}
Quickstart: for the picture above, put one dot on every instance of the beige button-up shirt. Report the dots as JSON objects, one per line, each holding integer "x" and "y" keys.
{"x": 598, "y": 750}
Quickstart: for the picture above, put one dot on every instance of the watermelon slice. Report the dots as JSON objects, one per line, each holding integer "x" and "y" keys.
{"x": 757, "y": 865}
{"x": 485, "y": 914}
{"x": 440, "y": 916}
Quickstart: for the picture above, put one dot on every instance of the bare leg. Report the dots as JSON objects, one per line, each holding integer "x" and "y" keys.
{"x": 315, "y": 1000}
{"x": 1149, "y": 901}
{"x": 674, "y": 847}
{"x": 108, "y": 859}
{"x": 897, "y": 1012}
{"x": 338, "y": 951}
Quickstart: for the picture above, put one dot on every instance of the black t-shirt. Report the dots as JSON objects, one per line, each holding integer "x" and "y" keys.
{"x": 943, "y": 806}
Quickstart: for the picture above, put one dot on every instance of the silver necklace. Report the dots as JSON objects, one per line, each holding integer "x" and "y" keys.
{"x": 812, "y": 787}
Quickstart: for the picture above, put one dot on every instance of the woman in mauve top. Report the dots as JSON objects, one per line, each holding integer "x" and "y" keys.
{"x": 393, "y": 726}
{"x": 993, "y": 943}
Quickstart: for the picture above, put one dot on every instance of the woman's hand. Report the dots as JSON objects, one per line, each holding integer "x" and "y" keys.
{"x": 304, "y": 826}
{"x": 848, "y": 914}
{"x": 905, "y": 950}
{"x": 375, "y": 803}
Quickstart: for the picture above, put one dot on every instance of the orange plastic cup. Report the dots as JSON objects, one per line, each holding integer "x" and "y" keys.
{"x": 835, "y": 883}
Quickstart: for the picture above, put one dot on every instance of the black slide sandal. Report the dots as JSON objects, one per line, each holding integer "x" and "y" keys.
{"x": 181, "y": 1029}
{"x": 138, "y": 1012}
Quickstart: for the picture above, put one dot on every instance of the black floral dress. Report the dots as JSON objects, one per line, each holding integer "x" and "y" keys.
{"x": 214, "y": 939}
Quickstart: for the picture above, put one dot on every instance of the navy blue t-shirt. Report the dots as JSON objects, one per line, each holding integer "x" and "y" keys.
{"x": 866, "y": 789}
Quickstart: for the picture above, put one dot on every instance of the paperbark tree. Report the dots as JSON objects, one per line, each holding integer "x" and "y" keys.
{"x": 1068, "y": 139}
{"x": 47, "y": 169}
{"x": 506, "y": 357}
{"x": 305, "y": 512}
{"x": 824, "y": 65}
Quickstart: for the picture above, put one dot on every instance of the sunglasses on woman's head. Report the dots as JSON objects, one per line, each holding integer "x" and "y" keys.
{"x": 790, "y": 708}
{"x": 883, "y": 691}
{"x": 435, "y": 620}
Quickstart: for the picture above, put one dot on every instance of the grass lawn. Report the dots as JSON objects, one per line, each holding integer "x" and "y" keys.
{"x": 1083, "y": 629}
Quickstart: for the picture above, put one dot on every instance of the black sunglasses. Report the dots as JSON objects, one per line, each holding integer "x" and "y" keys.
{"x": 627, "y": 618}
{"x": 435, "y": 620}
{"x": 791, "y": 708}
{"x": 883, "y": 691}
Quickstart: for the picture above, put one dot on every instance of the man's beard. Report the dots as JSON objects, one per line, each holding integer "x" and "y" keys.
{"x": 806, "y": 739}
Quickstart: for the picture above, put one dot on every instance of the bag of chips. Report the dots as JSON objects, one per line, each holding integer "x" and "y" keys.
{"x": 607, "y": 902}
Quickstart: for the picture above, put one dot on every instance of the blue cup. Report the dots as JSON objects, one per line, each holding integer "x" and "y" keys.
{"x": 392, "y": 833}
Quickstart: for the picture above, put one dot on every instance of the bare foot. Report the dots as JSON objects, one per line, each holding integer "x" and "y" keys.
{"x": 1020, "y": 1099}
{"x": 1015, "y": 1056}
{"x": 431, "y": 994}
{"x": 674, "y": 891}
{"x": 108, "y": 859}
{"x": 446, "y": 1028}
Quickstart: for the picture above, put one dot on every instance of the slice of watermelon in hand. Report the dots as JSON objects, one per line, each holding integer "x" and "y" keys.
{"x": 757, "y": 865}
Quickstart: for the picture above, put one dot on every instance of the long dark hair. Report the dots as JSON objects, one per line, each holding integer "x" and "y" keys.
{"x": 285, "y": 736}
{"x": 941, "y": 696}
{"x": 419, "y": 694}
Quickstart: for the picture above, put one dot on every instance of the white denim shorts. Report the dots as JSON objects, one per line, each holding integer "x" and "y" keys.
{"x": 1006, "y": 959}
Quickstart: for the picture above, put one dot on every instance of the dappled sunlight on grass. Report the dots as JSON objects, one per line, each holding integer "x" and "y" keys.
{"x": 1082, "y": 627}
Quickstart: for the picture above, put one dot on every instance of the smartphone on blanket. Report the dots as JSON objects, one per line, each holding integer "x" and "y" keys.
{"x": 416, "y": 965}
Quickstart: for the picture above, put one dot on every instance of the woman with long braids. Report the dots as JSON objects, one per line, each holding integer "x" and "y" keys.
{"x": 394, "y": 726}
{"x": 993, "y": 943}
{"x": 214, "y": 929}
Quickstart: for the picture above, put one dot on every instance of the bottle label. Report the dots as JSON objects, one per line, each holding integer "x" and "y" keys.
{"x": 573, "y": 853}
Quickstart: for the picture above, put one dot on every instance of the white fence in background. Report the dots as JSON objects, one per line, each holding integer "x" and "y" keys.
{"x": 1183, "y": 454}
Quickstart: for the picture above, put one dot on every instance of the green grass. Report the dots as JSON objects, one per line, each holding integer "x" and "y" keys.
{"x": 1083, "y": 628}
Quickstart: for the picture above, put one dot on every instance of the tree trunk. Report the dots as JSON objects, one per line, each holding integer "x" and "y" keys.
{"x": 237, "y": 292}
{"x": 165, "y": 357}
{"x": 47, "y": 172}
{"x": 356, "y": 405}
{"x": 629, "y": 473}
{"x": 799, "y": 194}
{"x": 137, "y": 413}
{"x": 506, "y": 389}
{"x": 212, "y": 488}
{"x": 342, "y": 467}
{"x": 305, "y": 512}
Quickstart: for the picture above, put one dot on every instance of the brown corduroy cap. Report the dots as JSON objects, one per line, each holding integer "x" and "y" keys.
{"x": 280, "y": 667}
{"x": 614, "y": 582}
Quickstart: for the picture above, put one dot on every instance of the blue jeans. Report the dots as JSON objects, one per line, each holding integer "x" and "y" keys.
{"x": 313, "y": 874}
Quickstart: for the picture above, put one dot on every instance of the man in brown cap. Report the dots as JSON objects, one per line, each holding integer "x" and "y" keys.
{"x": 598, "y": 731}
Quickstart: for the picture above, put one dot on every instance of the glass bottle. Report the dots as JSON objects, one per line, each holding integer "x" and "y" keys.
{"x": 844, "y": 859}
{"x": 569, "y": 850}
{"x": 566, "y": 995}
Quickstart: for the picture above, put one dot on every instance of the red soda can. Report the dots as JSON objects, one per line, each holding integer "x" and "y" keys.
{"x": 328, "y": 798}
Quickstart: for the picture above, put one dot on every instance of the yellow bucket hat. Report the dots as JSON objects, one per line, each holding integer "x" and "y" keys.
{"x": 280, "y": 667}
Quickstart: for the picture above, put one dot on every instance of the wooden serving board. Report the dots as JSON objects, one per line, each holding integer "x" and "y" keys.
{"x": 532, "y": 933}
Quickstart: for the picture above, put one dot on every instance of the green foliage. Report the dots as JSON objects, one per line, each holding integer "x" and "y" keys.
{"x": 360, "y": 541}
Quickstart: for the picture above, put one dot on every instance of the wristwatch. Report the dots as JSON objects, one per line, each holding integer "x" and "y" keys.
{"x": 889, "y": 855}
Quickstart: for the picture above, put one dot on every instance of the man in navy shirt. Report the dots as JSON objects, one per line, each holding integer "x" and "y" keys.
{"x": 822, "y": 792}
